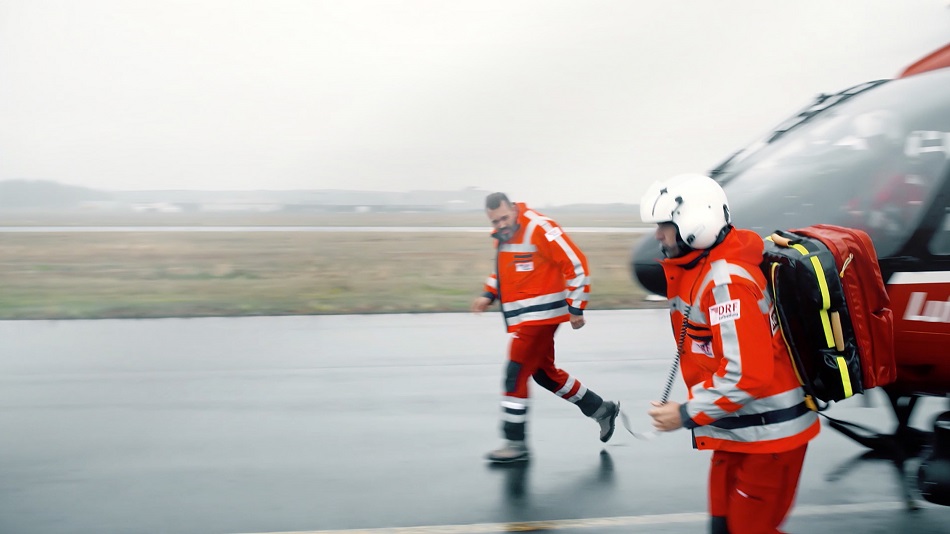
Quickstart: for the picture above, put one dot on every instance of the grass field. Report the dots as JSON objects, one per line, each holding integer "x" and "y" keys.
{"x": 54, "y": 275}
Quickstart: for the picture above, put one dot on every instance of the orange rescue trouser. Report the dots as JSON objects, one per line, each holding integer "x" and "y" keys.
{"x": 531, "y": 355}
{"x": 752, "y": 493}
{"x": 531, "y": 349}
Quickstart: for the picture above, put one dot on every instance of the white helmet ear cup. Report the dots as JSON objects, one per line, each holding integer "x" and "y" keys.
{"x": 695, "y": 203}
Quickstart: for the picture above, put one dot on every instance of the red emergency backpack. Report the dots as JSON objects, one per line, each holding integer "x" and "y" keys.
{"x": 832, "y": 308}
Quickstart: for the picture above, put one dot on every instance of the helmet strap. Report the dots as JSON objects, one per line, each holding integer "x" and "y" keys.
{"x": 722, "y": 234}
{"x": 684, "y": 248}
{"x": 695, "y": 261}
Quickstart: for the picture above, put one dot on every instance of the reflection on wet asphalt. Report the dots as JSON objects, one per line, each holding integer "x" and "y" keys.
{"x": 372, "y": 423}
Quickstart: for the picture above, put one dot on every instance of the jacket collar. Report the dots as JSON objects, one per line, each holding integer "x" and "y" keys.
{"x": 739, "y": 245}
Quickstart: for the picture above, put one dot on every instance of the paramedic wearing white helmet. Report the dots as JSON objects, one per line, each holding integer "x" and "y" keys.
{"x": 744, "y": 399}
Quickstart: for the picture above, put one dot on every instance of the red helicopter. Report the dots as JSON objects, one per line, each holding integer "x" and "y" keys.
{"x": 875, "y": 156}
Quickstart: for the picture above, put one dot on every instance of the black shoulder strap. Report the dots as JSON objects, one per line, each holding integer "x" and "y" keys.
{"x": 810, "y": 399}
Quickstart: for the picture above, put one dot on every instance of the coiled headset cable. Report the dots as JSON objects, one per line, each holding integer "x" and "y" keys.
{"x": 680, "y": 343}
{"x": 671, "y": 377}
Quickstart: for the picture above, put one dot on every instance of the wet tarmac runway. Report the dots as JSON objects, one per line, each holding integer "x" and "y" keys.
{"x": 370, "y": 424}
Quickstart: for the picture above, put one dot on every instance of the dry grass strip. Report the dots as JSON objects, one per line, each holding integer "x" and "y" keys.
{"x": 191, "y": 274}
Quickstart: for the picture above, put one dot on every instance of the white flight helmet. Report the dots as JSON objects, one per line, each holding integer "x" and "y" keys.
{"x": 695, "y": 203}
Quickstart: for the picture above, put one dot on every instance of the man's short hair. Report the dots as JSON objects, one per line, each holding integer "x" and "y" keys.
{"x": 494, "y": 200}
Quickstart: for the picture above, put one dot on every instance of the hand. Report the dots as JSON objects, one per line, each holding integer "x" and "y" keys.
{"x": 577, "y": 321}
{"x": 666, "y": 417}
{"x": 481, "y": 304}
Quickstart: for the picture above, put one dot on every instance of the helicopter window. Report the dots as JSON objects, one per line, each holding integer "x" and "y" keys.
{"x": 871, "y": 162}
{"x": 940, "y": 245}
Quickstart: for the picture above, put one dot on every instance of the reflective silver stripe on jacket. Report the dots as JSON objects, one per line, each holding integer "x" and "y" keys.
{"x": 533, "y": 301}
{"x": 546, "y": 307}
{"x": 706, "y": 400}
{"x": 721, "y": 272}
{"x": 695, "y": 315}
{"x": 538, "y": 315}
{"x": 581, "y": 278}
{"x": 517, "y": 247}
{"x": 763, "y": 432}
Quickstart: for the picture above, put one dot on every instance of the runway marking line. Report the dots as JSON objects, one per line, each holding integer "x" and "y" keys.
{"x": 619, "y": 521}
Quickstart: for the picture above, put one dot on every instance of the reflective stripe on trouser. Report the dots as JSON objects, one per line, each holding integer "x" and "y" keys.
{"x": 754, "y": 492}
{"x": 514, "y": 414}
{"x": 531, "y": 355}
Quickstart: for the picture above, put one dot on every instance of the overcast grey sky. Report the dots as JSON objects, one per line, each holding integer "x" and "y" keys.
{"x": 553, "y": 101}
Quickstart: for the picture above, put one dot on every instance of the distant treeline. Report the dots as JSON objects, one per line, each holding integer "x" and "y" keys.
{"x": 18, "y": 194}
{"x": 49, "y": 195}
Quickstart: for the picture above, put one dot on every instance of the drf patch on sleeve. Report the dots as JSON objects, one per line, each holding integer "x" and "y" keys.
{"x": 727, "y": 311}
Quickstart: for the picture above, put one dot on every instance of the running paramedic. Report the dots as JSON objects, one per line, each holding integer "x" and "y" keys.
{"x": 744, "y": 399}
{"x": 542, "y": 280}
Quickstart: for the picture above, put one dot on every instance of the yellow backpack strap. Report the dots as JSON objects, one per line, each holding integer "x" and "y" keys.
{"x": 827, "y": 321}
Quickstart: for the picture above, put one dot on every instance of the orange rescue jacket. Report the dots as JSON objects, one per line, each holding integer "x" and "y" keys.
{"x": 540, "y": 276}
{"x": 744, "y": 395}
